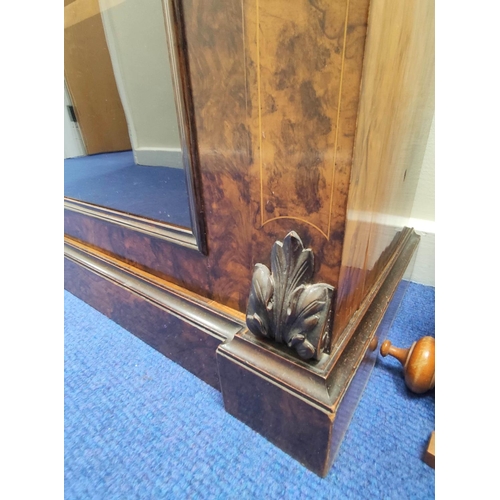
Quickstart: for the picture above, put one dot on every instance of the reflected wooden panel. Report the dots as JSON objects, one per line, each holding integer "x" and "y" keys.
{"x": 88, "y": 68}
{"x": 139, "y": 51}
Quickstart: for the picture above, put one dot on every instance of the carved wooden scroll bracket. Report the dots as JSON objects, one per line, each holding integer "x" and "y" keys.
{"x": 284, "y": 306}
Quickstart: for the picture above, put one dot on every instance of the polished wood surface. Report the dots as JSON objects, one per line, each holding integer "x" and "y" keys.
{"x": 305, "y": 408}
{"x": 430, "y": 452}
{"x": 419, "y": 362}
{"x": 304, "y": 62}
{"x": 400, "y": 354}
{"x": 183, "y": 326}
{"x": 288, "y": 140}
{"x": 303, "y": 99}
{"x": 177, "y": 234}
{"x": 166, "y": 260}
{"x": 246, "y": 155}
{"x": 233, "y": 83}
{"x": 90, "y": 79}
{"x": 395, "y": 114}
{"x": 175, "y": 26}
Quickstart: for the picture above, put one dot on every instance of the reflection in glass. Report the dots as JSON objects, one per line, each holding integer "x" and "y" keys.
{"x": 124, "y": 149}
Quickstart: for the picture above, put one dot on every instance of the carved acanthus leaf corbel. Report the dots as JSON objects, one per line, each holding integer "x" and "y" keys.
{"x": 284, "y": 306}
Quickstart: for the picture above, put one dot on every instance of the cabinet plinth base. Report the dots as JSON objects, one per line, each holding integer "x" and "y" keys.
{"x": 302, "y": 407}
{"x": 305, "y": 408}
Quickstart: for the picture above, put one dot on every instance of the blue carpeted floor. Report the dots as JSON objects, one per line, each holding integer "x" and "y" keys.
{"x": 130, "y": 433}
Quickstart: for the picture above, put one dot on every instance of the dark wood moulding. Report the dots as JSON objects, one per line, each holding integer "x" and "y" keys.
{"x": 302, "y": 407}
{"x": 165, "y": 231}
{"x": 183, "y": 326}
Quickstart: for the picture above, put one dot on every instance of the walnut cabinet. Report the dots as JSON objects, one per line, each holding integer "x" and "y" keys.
{"x": 305, "y": 123}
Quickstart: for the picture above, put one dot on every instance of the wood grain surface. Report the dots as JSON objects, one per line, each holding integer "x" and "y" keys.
{"x": 280, "y": 113}
{"x": 183, "y": 326}
{"x": 324, "y": 45}
{"x": 288, "y": 139}
{"x": 430, "y": 452}
{"x": 305, "y": 408}
{"x": 395, "y": 114}
{"x": 304, "y": 62}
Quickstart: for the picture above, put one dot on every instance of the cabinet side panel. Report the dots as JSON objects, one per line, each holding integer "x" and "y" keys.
{"x": 395, "y": 114}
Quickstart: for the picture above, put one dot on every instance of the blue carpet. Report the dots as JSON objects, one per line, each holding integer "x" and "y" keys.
{"x": 131, "y": 434}
{"x": 114, "y": 180}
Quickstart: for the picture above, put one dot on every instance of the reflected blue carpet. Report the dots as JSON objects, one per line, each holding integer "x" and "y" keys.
{"x": 114, "y": 180}
{"x": 138, "y": 426}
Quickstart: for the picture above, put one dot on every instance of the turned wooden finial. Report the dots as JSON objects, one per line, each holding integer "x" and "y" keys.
{"x": 418, "y": 362}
